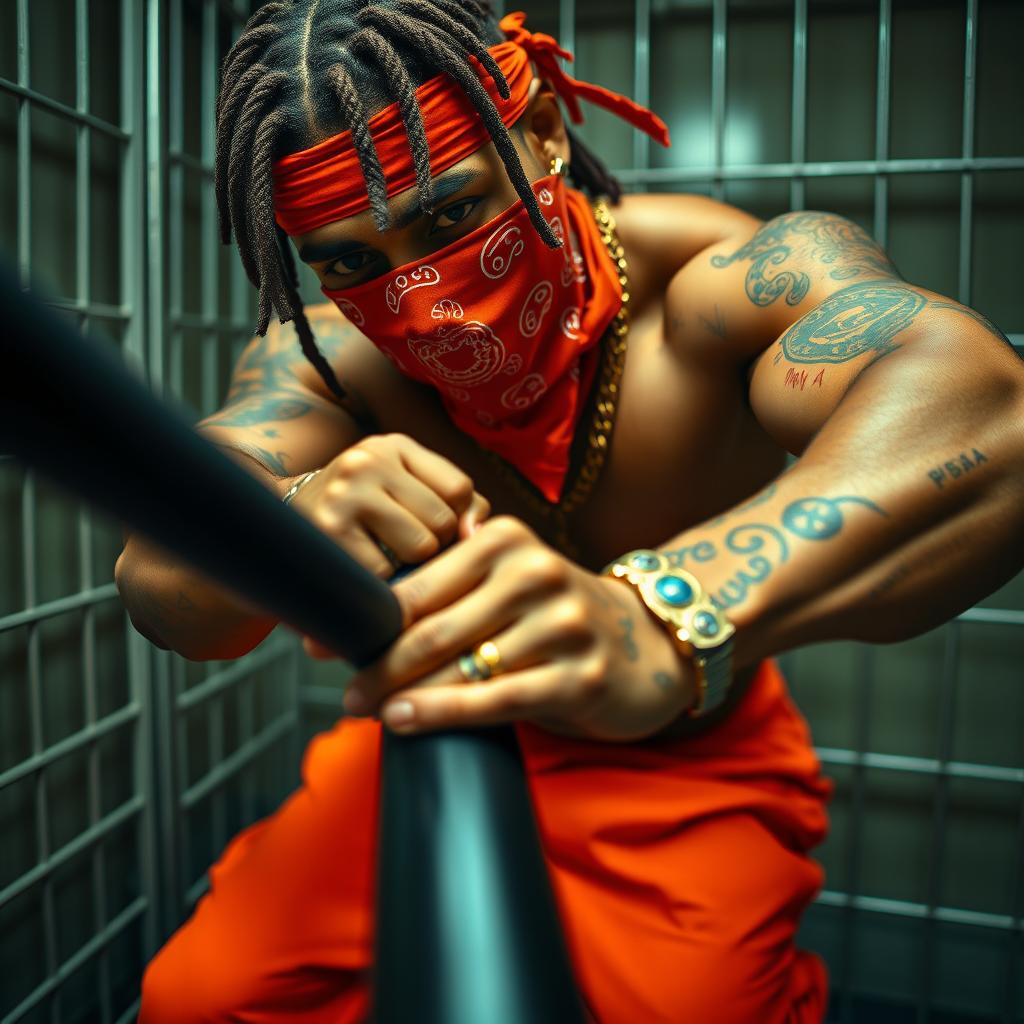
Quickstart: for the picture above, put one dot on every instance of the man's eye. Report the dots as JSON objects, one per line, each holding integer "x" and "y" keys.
{"x": 350, "y": 263}
{"x": 451, "y": 215}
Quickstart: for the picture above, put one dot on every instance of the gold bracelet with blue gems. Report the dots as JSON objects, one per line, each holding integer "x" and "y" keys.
{"x": 699, "y": 628}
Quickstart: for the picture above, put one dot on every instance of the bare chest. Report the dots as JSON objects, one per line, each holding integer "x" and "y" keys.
{"x": 683, "y": 448}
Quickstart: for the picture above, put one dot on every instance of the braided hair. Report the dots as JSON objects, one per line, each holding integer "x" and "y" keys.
{"x": 303, "y": 70}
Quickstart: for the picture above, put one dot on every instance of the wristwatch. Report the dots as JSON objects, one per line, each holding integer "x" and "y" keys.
{"x": 700, "y": 629}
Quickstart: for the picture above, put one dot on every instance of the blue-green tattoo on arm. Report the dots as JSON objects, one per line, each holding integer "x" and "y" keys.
{"x": 766, "y": 545}
{"x": 268, "y": 372}
{"x": 861, "y": 318}
{"x": 955, "y": 468}
{"x": 626, "y": 622}
{"x": 259, "y": 409}
{"x": 793, "y": 241}
{"x": 663, "y": 681}
{"x": 716, "y": 326}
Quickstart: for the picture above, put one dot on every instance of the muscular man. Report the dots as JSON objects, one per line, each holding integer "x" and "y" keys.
{"x": 522, "y": 386}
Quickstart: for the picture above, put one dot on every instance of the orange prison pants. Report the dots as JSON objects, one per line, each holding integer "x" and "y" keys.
{"x": 680, "y": 869}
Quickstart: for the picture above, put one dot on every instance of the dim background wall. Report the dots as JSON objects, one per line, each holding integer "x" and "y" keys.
{"x": 124, "y": 770}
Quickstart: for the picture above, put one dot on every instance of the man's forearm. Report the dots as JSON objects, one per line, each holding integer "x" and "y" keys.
{"x": 180, "y": 609}
{"x": 904, "y": 510}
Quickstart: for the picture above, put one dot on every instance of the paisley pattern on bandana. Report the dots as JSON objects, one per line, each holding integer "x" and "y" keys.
{"x": 503, "y": 327}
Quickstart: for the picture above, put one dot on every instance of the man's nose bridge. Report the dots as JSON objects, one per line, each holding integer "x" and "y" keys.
{"x": 404, "y": 250}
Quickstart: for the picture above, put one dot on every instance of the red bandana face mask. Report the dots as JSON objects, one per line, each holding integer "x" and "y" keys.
{"x": 503, "y": 327}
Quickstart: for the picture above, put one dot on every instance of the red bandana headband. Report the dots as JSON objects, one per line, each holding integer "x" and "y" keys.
{"x": 325, "y": 183}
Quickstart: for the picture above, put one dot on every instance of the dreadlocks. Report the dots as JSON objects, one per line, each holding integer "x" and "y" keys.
{"x": 305, "y": 69}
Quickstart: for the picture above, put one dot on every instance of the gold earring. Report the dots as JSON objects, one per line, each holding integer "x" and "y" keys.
{"x": 557, "y": 166}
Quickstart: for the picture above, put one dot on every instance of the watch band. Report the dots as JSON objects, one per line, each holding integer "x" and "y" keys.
{"x": 700, "y": 629}
{"x": 714, "y": 676}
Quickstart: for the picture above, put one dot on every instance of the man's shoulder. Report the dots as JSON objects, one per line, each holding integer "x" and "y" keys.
{"x": 672, "y": 240}
{"x": 668, "y": 229}
{"x": 356, "y": 362}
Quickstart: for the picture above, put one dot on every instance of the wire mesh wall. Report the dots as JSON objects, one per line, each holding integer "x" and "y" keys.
{"x": 124, "y": 770}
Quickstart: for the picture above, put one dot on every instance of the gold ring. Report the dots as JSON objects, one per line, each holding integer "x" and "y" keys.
{"x": 488, "y": 653}
{"x": 480, "y": 664}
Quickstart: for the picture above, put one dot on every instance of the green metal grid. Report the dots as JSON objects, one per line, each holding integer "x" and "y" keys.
{"x": 199, "y": 736}
{"x": 111, "y": 820}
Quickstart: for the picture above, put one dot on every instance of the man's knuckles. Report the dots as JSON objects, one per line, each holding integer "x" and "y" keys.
{"x": 570, "y": 618}
{"x": 506, "y": 531}
{"x": 539, "y": 569}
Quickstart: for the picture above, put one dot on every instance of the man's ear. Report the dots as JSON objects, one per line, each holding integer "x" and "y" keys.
{"x": 544, "y": 127}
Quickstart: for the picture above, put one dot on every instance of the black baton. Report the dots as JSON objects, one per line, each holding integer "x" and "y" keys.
{"x": 467, "y": 930}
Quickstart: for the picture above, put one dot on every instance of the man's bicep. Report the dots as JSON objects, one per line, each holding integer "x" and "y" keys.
{"x": 740, "y": 294}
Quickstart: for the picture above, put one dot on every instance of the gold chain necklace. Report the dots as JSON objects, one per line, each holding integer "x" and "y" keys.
{"x": 602, "y": 413}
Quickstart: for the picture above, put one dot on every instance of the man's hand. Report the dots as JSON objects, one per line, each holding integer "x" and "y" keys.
{"x": 580, "y": 653}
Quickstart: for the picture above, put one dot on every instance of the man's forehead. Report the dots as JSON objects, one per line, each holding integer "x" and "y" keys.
{"x": 322, "y": 243}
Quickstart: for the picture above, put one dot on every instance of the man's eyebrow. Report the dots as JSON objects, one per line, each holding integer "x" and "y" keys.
{"x": 444, "y": 187}
{"x": 318, "y": 252}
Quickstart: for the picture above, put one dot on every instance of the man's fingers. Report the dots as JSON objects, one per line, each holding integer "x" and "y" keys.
{"x": 513, "y": 696}
{"x": 479, "y": 509}
{"x": 456, "y": 570}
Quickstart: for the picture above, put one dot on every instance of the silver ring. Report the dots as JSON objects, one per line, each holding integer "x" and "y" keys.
{"x": 390, "y": 555}
{"x": 473, "y": 669}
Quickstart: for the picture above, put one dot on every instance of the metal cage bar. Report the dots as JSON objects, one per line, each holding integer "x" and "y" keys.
{"x": 798, "y": 143}
{"x": 642, "y": 78}
{"x": 817, "y": 169}
{"x": 718, "y": 80}
{"x": 882, "y": 108}
{"x": 967, "y": 176}
{"x": 83, "y": 237}
{"x": 567, "y": 24}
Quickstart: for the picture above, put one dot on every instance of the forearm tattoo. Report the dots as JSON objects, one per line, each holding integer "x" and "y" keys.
{"x": 956, "y": 467}
{"x": 765, "y": 545}
{"x": 626, "y": 622}
{"x": 663, "y": 681}
{"x": 716, "y": 326}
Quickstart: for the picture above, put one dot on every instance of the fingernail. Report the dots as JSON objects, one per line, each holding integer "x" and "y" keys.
{"x": 398, "y": 713}
{"x": 354, "y": 702}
